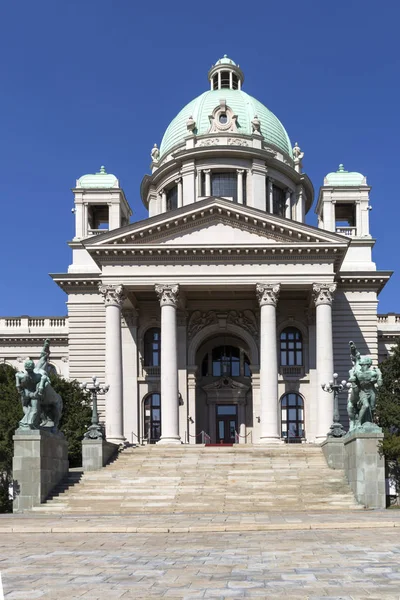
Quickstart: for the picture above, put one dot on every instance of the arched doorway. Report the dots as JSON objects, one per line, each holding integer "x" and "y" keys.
{"x": 152, "y": 418}
{"x": 223, "y": 391}
{"x": 292, "y": 418}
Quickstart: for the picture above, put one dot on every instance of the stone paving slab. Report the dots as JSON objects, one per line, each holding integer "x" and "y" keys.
{"x": 305, "y": 565}
{"x": 207, "y": 523}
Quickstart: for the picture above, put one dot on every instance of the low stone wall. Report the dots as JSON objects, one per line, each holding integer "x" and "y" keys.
{"x": 40, "y": 462}
{"x": 333, "y": 449}
{"x": 97, "y": 453}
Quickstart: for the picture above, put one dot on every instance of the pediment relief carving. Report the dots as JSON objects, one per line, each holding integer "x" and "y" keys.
{"x": 226, "y": 383}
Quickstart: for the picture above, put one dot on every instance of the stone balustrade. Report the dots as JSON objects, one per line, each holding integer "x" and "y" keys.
{"x": 33, "y": 325}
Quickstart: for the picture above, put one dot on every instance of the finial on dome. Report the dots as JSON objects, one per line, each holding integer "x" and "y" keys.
{"x": 103, "y": 170}
{"x": 341, "y": 169}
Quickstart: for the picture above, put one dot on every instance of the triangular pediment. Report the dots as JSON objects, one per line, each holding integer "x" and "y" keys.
{"x": 216, "y": 222}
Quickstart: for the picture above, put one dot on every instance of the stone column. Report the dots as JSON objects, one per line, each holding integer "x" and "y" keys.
{"x": 180, "y": 192}
{"x": 323, "y": 296}
{"x": 129, "y": 325}
{"x": 168, "y": 296}
{"x": 240, "y": 185}
{"x": 288, "y": 204}
{"x": 163, "y": 195}
{"x": 268, "y": 297}
{"x": 270, "y": 196}
{"x": 207, "y": 174}
{"x": 113, "y": 298}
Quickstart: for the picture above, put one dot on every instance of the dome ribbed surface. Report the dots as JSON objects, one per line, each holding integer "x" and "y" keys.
{"x": 243, "y": 105}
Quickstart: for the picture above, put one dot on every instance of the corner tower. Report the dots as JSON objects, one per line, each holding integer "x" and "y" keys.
{"x": 227, "y": 144}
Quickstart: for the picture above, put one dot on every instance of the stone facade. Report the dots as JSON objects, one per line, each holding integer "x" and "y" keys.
{"x": 222, "y": 313}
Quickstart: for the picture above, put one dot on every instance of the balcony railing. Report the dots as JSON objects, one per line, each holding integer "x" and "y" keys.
{"x": 292, "y": 371}
{"x": 150, "y": 371}
{"x": 348, "y": 231}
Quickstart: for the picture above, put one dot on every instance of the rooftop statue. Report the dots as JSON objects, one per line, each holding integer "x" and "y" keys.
{"x": 364, "y": 381}
{"x": 297, "y": 157}
{"x": 155, "y": 153}
{"x": 41, "y": 404}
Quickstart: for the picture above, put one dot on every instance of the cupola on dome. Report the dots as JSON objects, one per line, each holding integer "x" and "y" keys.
{"x": 226, "y": 79}
{"x": 98, "y": 180}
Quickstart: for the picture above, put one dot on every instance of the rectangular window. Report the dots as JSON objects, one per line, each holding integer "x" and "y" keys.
{"x": 224, "y": 185}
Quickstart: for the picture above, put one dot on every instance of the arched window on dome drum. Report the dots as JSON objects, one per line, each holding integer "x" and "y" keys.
{"x": 172, "y": 198}
{"x": 292, "y": 418}
{"x": 291, "y": 347}
{"x": 278, "y": 200}
{"x": 152, "y": 347}
{"x": 152, "y": 418}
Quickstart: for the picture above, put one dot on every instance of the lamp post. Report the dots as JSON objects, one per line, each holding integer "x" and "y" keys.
{"x": 333, "y": 387}
{"x": 95, "y": 431}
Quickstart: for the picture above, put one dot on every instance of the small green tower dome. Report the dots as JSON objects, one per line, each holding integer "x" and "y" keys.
{"x": 98, "y": 180}
{"x": 344, "y": 178}
{"x": 244, "y": 106}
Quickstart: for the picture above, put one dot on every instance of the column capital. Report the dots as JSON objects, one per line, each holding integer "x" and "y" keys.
{"x": 178, "y": 180}
{"x": 240, "y": 171}
{"x": 206, "y": 171}
{"x": 167, "y": 294}
{"x": 323, "y": 293}
{"x": 113, "y": 295}
{"x": 268, "y": 293}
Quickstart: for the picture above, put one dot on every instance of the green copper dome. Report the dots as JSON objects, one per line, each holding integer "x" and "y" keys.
{"x": 345, "y": 178}
{"x": 244, "y": 106}
{"x": 102, "y": 179}
{"x": 225, "y": 60}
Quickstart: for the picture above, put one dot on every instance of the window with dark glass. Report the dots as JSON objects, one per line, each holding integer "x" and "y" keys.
{"x": 172, "y": 198}
{"x": 226, "y": 361}
{"x": 234, "y": 82}
{"x": 278, "y": 200}
{"x": 152, "y": 347}
{"x": 291, "y": 347}
{"x": 224, "y": 185}
{"x": 292, "y": 417}
{"x": 152, "y": 418}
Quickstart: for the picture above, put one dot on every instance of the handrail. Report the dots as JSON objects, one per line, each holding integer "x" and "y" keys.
{"x": 140, "y": 440}
{"x": 238, "y": 436}
{"x": 205, "y": 438}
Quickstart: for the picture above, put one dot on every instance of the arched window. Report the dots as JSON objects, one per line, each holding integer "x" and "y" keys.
{"x": 152, "y": 347}
{"x": 152, "y": 418}
{"x": 291, "y": 347}
{"x": 292, "y": 417}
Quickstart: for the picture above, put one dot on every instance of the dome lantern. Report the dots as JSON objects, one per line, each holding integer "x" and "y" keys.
{"x": 225, "y": 74}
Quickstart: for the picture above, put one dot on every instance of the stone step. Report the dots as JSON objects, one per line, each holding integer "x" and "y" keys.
{"x": 196, "y": 479}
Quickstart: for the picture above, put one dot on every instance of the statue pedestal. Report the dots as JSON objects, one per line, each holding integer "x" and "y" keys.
{"x": 40, "y": 462}
{"x": 365, "y": 468}
{"x": 97, "y": 453}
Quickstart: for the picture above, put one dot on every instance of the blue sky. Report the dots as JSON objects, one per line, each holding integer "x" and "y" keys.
{"x": 92, "y": 82}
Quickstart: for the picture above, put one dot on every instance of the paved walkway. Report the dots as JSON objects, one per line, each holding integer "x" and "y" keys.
{"x": 332, "y": 564}
{"x": 351, "y": 555}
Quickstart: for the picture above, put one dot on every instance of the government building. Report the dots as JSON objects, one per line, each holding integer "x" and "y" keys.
{"x": 217, "y": 318}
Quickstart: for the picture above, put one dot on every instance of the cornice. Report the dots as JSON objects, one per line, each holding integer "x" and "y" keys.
{"x": 77, "y": 282}
{"x": 372, "y": 280}
{"x": 60, "y": 338}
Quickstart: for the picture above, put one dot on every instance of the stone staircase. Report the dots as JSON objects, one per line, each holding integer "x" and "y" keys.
{"x": 201, "y": 479}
